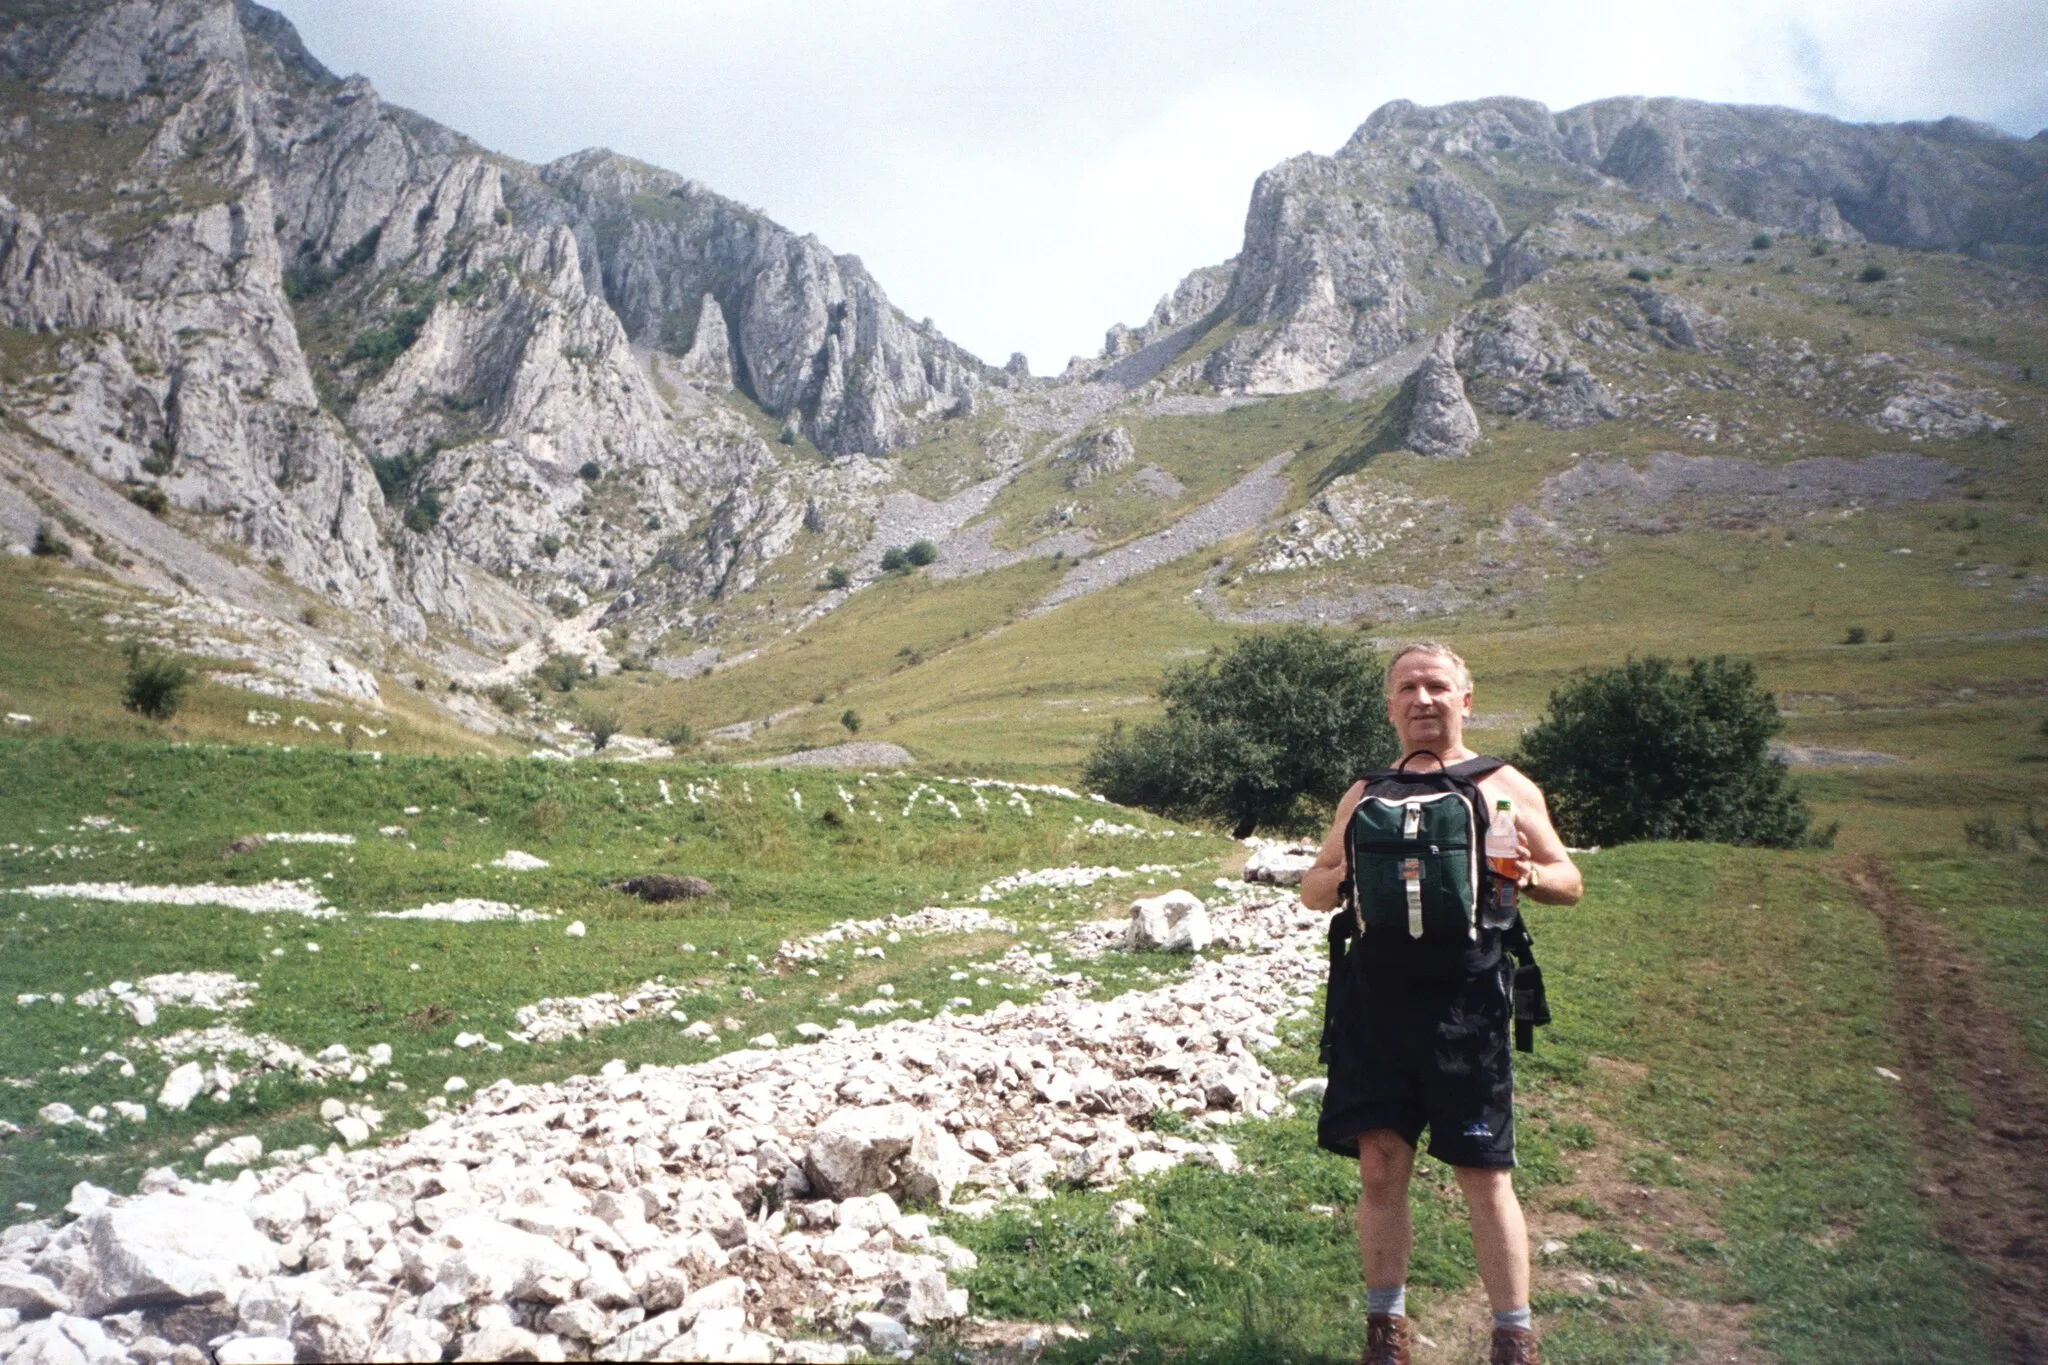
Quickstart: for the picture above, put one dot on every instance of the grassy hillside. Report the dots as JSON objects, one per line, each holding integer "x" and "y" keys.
{"x": 1711, "y": 1157}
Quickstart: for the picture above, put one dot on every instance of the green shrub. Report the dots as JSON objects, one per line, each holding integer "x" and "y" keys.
{"x": 1762, "y": 242}
{"x": 603, "y": 725}
{"x": 379, "y": 346}
{"x": 1873, "y": 273}
{"x": 1649, "y": 750}
{"x": 156, "y": 684}
{"x": 851, "y": 720}
{"x": 1637, "y": 272}
{"x": 679, "y": 736}
{"x": 549, "y": 545}
{"x": 591, "y": 471}
{"x": 507, "y": 698}
{"x": 1269, "y": 732}
{"x": 149, "y": 498}
{"x": 424, "y": 512}
{"x": 921, "y": 553}
{"x": 836, "y": 577}
{"x": 560, "y": 671}
{"x": 895, "y": 559}
{"x": 48, "y": 544}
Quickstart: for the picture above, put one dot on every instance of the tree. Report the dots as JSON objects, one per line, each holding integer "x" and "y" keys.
{"x": 851, "y": 720}
{"x": 1252, "y": 732}
{"x": 1651, "y": 750}
{"x": 560, "y": 671}
{"x": 603, "y": 725}
{"x": 156, "y": 684}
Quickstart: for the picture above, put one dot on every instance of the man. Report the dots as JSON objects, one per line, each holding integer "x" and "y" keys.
{"x": 1410, "y": 1051}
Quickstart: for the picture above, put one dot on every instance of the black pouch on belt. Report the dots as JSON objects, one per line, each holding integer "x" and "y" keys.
{"x": 1531, "y": 1009}
{"x": 1343, "y": 929}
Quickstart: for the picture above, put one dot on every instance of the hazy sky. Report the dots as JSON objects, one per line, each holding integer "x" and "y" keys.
{"x": 1026, "y": 175}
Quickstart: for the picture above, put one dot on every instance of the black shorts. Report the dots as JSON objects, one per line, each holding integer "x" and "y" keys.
{"x": 1408, "y": 1053}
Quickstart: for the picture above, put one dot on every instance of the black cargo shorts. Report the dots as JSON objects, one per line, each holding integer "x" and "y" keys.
{"x": 1409, "y": 1053}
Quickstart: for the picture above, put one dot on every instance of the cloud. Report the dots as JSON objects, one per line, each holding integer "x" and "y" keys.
{"x": 1028, "y": 174}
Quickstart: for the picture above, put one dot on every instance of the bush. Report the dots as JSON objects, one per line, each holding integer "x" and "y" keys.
{"x": 895, "y": 559}
{"x": 851, "y": 720}
{"x": 560, "y": 671}
{"x": 836, "y": 577}
{"x": 1855, "y": 635}
{"x": 679, "y": 736}
{"x": 1652, "y": 751}
{"x": 48, "y": 544}
{"x": 1873, "y": 273}
{"x": 2025, "y": 835}
{"x": 156, "y": 684}
{"x": 591, "y": 471}
{"x": 1636, "y": 272}
{"x": 149, "y": 498}
{"x": 507, "y": 698}
{"x": 1253, "y": 733}
{"x": 603, "y": 725}
{"x": 921, "y": 553}
{"x": 1762, "y": 242}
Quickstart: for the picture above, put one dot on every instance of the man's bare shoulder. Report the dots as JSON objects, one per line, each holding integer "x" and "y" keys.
{"x": 1511, "y": 782}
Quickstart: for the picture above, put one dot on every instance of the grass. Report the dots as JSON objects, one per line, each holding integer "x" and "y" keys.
{"x": 779, "y": 872}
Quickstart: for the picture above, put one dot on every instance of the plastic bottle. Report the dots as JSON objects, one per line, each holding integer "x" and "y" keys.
{"x": 1503, "y": 855}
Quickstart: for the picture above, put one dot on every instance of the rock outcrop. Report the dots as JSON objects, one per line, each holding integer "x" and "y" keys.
{"x": 400, "y": 370}
{"x": 1427, "y": 209}
{"x": 1441, "y": 423}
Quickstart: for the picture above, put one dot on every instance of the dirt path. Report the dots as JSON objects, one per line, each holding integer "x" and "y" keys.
{"x": 1987, "y": 1172}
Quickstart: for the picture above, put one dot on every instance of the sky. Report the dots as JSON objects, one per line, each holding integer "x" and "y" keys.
{"x": 1027, "y": 174}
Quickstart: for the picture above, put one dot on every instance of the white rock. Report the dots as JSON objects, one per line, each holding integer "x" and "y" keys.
{"x": 130, "y": 1112}
{"x": 867, "y": 1212}
{"x": 1310, "y": 1090}
{"x": 182, "y": 1086}
{"x": 87, "y": 1197}
{"x": 352, "y": 1130}
{"x": 885, "y": 1335}
{"x": 575, "y": 929}
{"x": 256, "y": 1351}
{"x": 411, "y": 1339}
{"x": 927, "y": 1298}
{"x": 1126, "y": 1214}
{"x": 1176, "y": 922}
{"x": 495, "y": 1261}
{"x": 57, "y": 1114}
{"x": 579, "y": 1318}
{"x": 454, "y": 1085}
{"x": 853, "y": 1151}
{"x": 500, "y": 1341}
{"x": 25, "y": 1292}
{"x": 765, "y": 1041}
{"x": 169, "y": 1248}
{"x": 237, "y": 1151}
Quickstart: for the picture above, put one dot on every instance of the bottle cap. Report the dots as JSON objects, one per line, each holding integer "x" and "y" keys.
{"x": 1502, "y": 803}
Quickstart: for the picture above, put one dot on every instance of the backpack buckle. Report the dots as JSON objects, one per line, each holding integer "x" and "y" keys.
{"x": 1411, "y": 821}
{"x": 1411, "y": 882}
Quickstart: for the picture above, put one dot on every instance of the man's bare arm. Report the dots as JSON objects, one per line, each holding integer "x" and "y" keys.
{"x": 1554, "y": 878}
{"x": 1319, "y": 884}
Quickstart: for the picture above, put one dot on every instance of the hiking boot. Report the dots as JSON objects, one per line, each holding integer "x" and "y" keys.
{"x": 1386, "y": 1340}
{"x": 1514, "y": 1346}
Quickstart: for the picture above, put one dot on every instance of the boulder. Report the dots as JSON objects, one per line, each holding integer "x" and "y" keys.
{"x": 169, "y": 1248}
{"x": 1175, "y": 922}
{"x": 659, "y": 887}
{"x": 1441, "y": 423}
{"x": 854, "y": 1151}
{"x": 182, "y": 1086}
{"x": 1277, "y": 863}
{"x": 30, "y": 1294}
{"x": 497, "y": 1262}
{"x": 256, "y": 1351}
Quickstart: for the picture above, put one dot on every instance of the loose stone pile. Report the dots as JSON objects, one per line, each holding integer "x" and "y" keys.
{"x": 747, "y": 1208}
{"x": 933, "y": 919}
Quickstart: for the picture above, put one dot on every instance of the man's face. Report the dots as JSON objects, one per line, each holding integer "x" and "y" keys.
{"x": 1426, "y": 703}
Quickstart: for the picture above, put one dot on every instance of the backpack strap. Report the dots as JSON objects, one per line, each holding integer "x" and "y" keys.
{"x": 1473, "y": 769}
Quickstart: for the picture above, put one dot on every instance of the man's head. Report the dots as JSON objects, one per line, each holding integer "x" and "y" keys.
{"x": 1429, "y": 697}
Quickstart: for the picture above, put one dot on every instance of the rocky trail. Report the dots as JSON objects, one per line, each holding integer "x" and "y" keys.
{"x": 773, "y": 1203}
{"x": 1985, "y": 1170}
{"x": 1244, "y": 505}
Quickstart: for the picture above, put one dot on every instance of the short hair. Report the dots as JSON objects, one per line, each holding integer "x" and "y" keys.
{"x": 1438, "y": 650}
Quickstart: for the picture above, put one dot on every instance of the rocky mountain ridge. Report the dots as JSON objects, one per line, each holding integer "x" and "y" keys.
{"x": 465, "y": 398}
